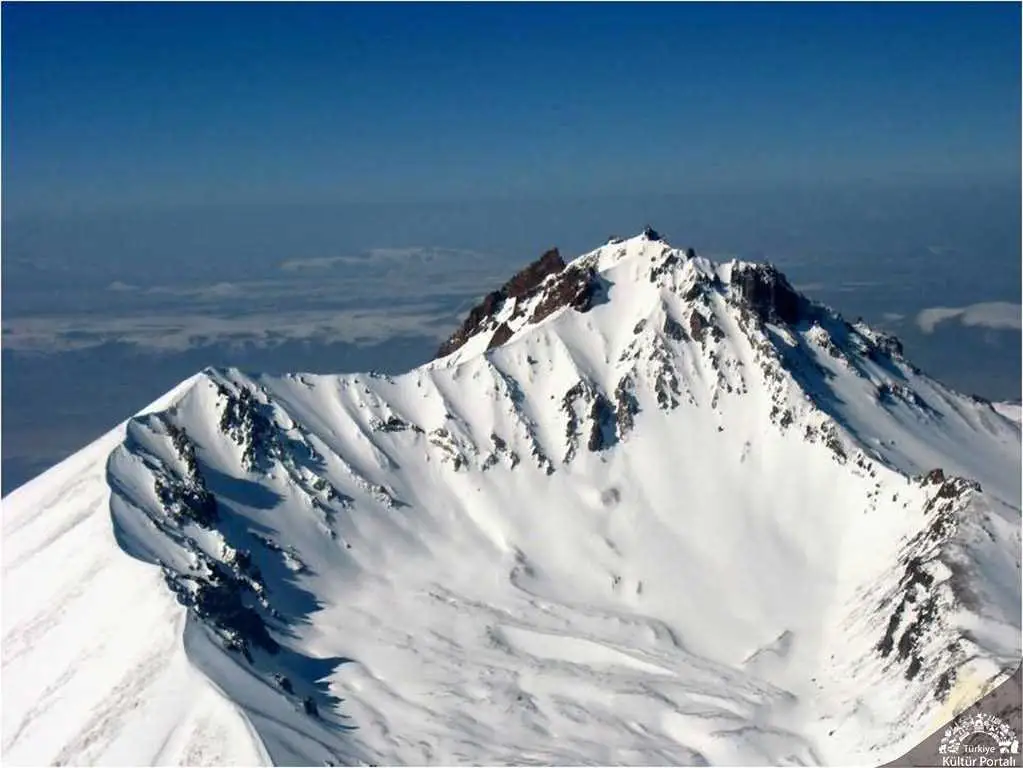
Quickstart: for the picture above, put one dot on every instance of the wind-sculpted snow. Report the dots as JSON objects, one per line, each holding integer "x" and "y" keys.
{"x": 672, "y": 513}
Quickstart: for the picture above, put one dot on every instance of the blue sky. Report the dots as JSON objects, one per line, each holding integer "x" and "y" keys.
{"x": 120, "y": 105}
{"x": 166, "y": 165}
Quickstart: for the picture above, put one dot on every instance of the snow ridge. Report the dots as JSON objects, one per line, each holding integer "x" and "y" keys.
{"x": 643, "y": 508}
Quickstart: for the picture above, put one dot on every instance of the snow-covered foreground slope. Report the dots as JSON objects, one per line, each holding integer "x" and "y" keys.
{"x": 95, "y": 667}
{"x": 674, "y": 514}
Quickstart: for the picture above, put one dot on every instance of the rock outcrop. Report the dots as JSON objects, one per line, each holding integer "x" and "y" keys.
{"x": 766, "y": 291}
{"x": 521, "y": 284}
{"x": 575, "y": 286}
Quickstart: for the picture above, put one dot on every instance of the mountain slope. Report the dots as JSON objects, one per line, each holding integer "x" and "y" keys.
{"x": 645, "y": 508}
{"x": 94, "y": 665}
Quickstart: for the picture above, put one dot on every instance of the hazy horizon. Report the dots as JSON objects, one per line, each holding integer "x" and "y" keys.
{"x": 327, "y": 187}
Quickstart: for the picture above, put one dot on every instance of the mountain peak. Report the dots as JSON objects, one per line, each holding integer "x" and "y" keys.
{"x": 639, "y": 476}
{"x": 548, "y": 284}
{"x": 639, "y": 274}
{"x": 650, "y": 233}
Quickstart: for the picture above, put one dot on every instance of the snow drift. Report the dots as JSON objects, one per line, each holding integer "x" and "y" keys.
{"x": 644, "y": 508}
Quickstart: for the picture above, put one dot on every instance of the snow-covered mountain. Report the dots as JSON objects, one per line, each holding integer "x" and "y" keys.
{"x": 644, "y": 508}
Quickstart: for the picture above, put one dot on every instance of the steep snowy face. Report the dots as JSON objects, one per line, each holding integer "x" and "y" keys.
{"x": 642, "y": 508}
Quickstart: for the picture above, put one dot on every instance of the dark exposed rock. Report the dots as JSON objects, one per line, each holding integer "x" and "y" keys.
{"x": 520, "y": 285}
{"x": 888, "y": 344}
{"x": 828, "y": 435}
{"x": 956, "y": 487}
{"x": 500, "y": 449}
{"x": 915, "y": 574}
{"x": 914, "y": 667}
{"x": 835, "y": 445}
{"x": 284, "y": 683}
{"x": 690, "y": 253}
{"x": 697, "y": 325}
{"x": 887, "y": 643}
{"x": 695, "y": 290}
{"x": 669, "y": 263}
{"x": 909, "y": 643}
{"x": 185, "y": 497}
{"x": 183, "y": 447}
{"x": 603, "y": 424}
{"x": 601, "y": 415}
{"x": 673, "y": 329}
{"x": 454, "y": 449}
{"x": 395, "y": 424}
{"x": 666, "y": 382}
{"x": 918, "y": 611}
{"x": 244, "y": 420}
{"x": 915, "y": 586}
{"x": 242, "y": 559}
{"x": 217, "y": 578}
{"x": 626, "y": 404}
{"x": 188, "y": 501}
{"x": 890, "y": 391}
{"x": 309, "y": 707}
{"x": 218, "y": 599}
{"x": 575, "y": 287}
{"x": 651, "y": 234}
{"x": 501, "y": 335}
{"x": 523, "y": 283}
{"x": 830, "y": 347}
{"x": 944, "y": 685}
{"x": 766, "y": 291}
{"x": 576, "y": 392}
{"x": 478, "y": 315}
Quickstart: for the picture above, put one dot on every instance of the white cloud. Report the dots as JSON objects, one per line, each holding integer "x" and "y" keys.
{"x": 293, "y": 265}
{"x": 175, "y": 332}
{"x": 999, "y": 315}
{"x": 390, "y": 292}
{"x": 204, "y": 292}
{"x": 120, "y": 287}
{"x": 383, "y": 257}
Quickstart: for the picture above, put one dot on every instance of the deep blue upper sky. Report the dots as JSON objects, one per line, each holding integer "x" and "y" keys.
{"x": 119, "y": 105}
